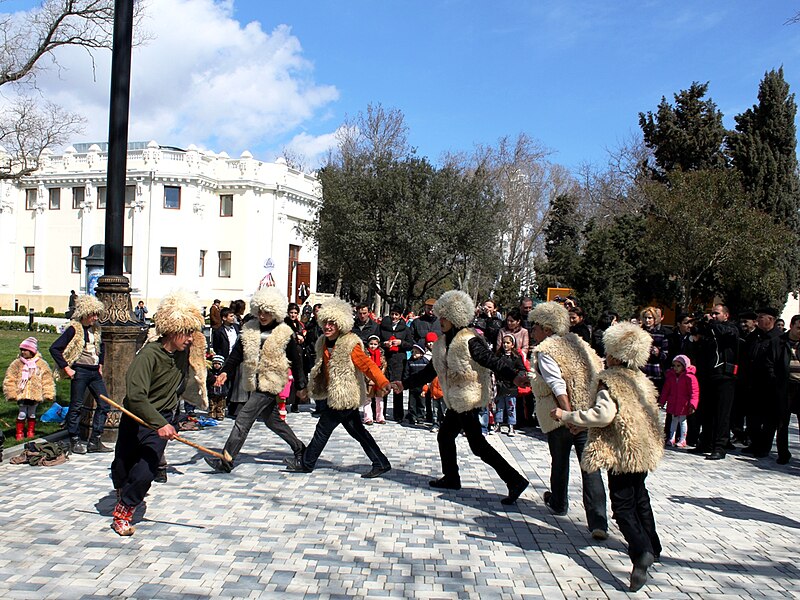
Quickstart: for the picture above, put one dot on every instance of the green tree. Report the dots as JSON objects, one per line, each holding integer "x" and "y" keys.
{"x": 686, "y": 136}
{"x": 562, "y": 238}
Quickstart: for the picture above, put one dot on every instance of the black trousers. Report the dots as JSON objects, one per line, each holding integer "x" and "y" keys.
{"x": 630, "y": 506}
{"x": 716, "y": 414}
{"x": 777, "y": 413}
{"x": 329, "y": 420}
{"x": 397, "y": 407}
{"x": 451, "y": 426}
{"x": 416, "y": 404}
{"x": 137, "y": 457}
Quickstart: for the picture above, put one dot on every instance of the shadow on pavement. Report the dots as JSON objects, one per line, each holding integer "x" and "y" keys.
{"x": 733, "y": 509}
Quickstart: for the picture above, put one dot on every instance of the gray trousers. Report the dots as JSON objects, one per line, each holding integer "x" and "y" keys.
{"x": 260, "y": 405}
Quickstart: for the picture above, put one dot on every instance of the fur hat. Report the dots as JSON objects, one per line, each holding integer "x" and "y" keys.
{"x": 31, "y": 344}
{"x": 87, "y": 305}
{"x": 179, "y": 311}
{"x": 270, "y": 300}
{"x": 551, "y": 315}
{"x": 455, "y": 306}
{"x": 337, "y": 311}
{"x": 628, "y": 343}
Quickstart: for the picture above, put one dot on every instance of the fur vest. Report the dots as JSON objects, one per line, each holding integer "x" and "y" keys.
{"x": 634, "y": 441}
{"x": 579, "y": 365}
{"x": 39, "y": 386}
{"x": 265, "y": 365}
{"x": 75, "y": 346}
{"x": 343, "y": 385}
{"x": 465, "y": 384}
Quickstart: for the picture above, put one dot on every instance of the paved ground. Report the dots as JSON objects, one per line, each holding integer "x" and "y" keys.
{"x": 730, "y": 529}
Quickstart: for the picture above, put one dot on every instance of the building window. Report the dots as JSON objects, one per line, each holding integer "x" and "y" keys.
{"x": 30, "y": 199}
{"x": 225, "y": 264}
{"x": 169, "y": 260}
{"x": 127, "y": 259}
{"x": 75, "y": 260}
{"x": 101, "y": 197}
{"x": 55, "y": 198}
{"x": 29, "y": 256}
{"x": 202, "y": 263}
{"x": 172, "y": 197}
{"x": 78, "y": 196}
{"x": 226, "y": 205}
{"x": 130, "y": 195}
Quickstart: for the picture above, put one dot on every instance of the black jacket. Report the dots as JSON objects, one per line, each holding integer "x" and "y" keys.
{"x": 717, "y": 350}
{"x": 219, "y": 340}
{"x": 365, "y": 330}
{"x": 395, "y": 360}
{"x": 776, "y": 362}
{"x": 422, "y": 326}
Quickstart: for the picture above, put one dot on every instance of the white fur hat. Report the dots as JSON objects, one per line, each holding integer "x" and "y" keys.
{"x": 337, "y": 311}
{"x": 271, "y": 300}
{"x": 179, "y": 311}
{"x": 455, "y": 306}
{"x": 551, "y": 315}
{"x": 85, "y": 306}
{"x": 629, "y": 343}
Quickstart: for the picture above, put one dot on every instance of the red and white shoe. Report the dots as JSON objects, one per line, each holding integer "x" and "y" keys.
{"x": 123, "y": 514}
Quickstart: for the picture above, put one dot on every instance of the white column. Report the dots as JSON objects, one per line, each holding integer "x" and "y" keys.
{"x": 8, "y": 237}
{"x": 140, "y": 241}
{"x": 40, "y": 238}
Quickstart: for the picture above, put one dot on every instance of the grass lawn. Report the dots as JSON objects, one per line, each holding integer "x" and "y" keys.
{"x": 9, "y": 350}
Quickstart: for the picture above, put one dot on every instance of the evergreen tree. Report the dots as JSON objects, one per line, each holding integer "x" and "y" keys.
{"x": 686, "y": 136}
{"x": 562, "y": 240}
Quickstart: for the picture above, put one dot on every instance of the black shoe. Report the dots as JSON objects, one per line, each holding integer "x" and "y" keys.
{"x": 77, "y": 446}
{"x": 445, "y": 484}
{"x": 639, "y": 573}
{"x": 515, "y": 491}
{"x": 783, "y": 459}
{"x": 376, "y": 472}
{"x": 298, "y": 454}
{"x": 547, "y": 496}
{"x": 161, "y": 476}
{"x": 699, "y": 450}
{"x": 295, "y": 408}
{"x": 715, "y": 456}
{"x": 219, "y": 465}
{"x": 749, "y": 449}
{"x": 295, "y": 466}
{"x": 95, "y": 445}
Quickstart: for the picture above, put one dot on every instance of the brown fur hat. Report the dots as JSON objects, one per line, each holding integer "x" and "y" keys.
{"x": 628, "y": 343}
{"x": 179, "y": 311}
{"x": 87, "y": 305}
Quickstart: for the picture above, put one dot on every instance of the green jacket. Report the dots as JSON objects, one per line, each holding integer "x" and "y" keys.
{"x": 152, "y": 382}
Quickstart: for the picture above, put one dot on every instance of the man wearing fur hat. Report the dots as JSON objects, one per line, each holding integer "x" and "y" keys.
{"x": 266, "y": 349}
{"x": 338, "y": 376}
{"x": 171, "y": 364}
{"x": 462, "y": 360}
{"x": 625, "y": 437}
{"x": 563, "y": 366}
{"x": 78, "y": 354}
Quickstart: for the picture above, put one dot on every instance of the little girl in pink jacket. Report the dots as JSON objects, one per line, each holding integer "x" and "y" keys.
{"x": 681, "y": 394}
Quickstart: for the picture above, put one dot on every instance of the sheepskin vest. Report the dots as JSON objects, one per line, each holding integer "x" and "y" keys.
{"x": 343, "y": 385}
{"x": 634, "y": 441}
{"x": 39, "y": 387}
{"x": 75, "y": 346}
{"x": 265, "y": 366}
{"x": 466, "y": 385}
{"x": 579, "y": 365}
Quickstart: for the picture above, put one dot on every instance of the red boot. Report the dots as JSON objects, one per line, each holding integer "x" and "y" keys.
{"x": 31, "y": 427}
{"x": 123, "y": 514}
{"x": 20, "y": 429}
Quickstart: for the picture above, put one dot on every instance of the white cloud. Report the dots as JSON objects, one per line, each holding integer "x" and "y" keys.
{"x": 202, "y": 78}
{"x": 313, "y": 149}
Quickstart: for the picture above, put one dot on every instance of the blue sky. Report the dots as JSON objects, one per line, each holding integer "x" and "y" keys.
{"x": 263, "y": 74}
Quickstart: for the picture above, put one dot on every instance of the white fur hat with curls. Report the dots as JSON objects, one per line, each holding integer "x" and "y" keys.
{"x": 270, "y": 300}
{"x": 85, "y": 306}
{"x": 551, "y": 315}
{"x": 628, "y": 343}
{"x": 179, "y": 311}
{"x": 455, "y": 306}
{"x": 337, "y": 311}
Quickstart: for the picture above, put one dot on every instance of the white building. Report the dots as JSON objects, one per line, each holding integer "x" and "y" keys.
{"x": 195, "y": 220}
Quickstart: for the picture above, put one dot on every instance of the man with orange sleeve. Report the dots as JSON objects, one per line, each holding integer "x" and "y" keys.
{"x": 338, "y": 376}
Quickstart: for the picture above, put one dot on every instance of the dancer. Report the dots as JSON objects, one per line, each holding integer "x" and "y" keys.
{"x": 338, "y": 375}
{"x": 462, "y": 360}
{"x": 168, "y": 366}
{"x": 266, "y": 349}
{"x": 626, "y": 438}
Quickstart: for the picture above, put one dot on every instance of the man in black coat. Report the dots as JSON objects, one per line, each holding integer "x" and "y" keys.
{"x": 425, "y": 323}
{"x": 396, "y": 341}
{"x": 224, "y": 337}
{"x": 488, "y": 322}
{"x": 364, "y": 326}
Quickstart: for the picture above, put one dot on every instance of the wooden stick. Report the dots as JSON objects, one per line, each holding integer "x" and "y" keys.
{"x": 178, "y": 438}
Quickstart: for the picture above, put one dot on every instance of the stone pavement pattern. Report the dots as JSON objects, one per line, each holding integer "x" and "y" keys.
{"x": 730, "y": 528}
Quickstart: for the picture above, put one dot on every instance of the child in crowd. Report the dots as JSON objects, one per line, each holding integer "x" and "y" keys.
{"x": 284, "y": 395}
{"x": 506, "y": 399}
{"x": 374, "y": 399}
{"x": 434, "y": 390}
{"x": 216, "y": 393}
{"x": 416, "y": 403}
{"x": 681, "y": 395}
{"x": 28, "y": 381}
